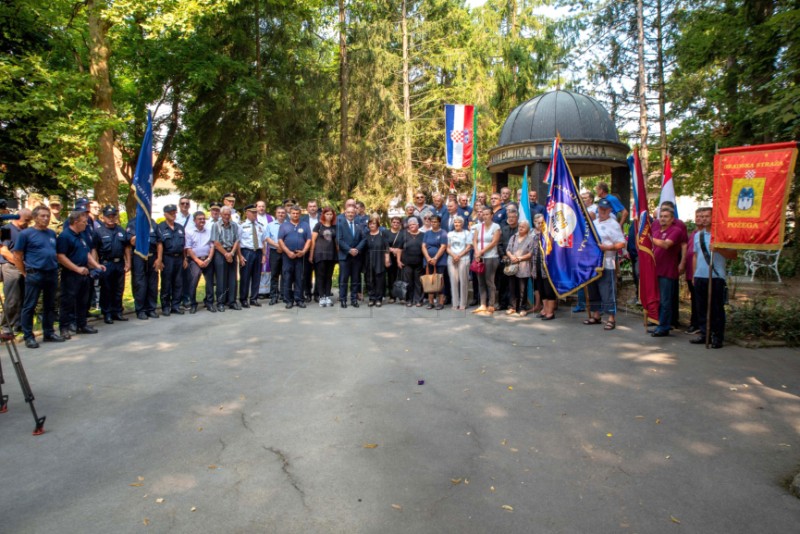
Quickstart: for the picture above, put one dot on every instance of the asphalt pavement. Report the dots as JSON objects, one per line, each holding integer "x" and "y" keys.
{"x": 398, "y": 420}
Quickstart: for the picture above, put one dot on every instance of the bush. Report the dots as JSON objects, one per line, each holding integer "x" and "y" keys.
{"x": 769, "y": 318}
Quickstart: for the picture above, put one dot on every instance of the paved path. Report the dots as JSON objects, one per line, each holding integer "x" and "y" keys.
{"x": 268, "y": 420}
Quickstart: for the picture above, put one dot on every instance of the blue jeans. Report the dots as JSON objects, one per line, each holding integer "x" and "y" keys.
{"x": 666, "y": 286}
{"x": 36, "y": 283}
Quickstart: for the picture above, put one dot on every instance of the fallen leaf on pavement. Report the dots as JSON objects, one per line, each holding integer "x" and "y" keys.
{"x": 370, "y": 445}
{"x": 193, "y": 509}
{"x": 610, "y": 435}
{"x": 456, "y": 481}
{"x": 140, "y": 479}
{"x": 159, "y": 500}
{"x": 145, "y": 521}
{"x": 136, "y": 484}
{"x": 507, "y": 508}
{"x": 397, "y": 507}
{"x": 212, "y": 466}
{"x": 674, "y": 519}
{"x": 510, "y": 388}
{"x": 658, "y": 421}
{"x": 491, "y": 488}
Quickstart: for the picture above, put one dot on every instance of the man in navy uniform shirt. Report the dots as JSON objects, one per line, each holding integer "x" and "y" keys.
{"x": 144, "y": 276}
{"x": 13, "y": 282}
{"x": 75, "y": 256}
{"x": 294, "y": 238}
{"x": 169, "y": 260}
{"x": 114, "y": 252}
{"x": 35, "y": 252}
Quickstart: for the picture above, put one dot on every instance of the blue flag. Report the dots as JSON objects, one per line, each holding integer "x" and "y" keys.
{"x": 524, "y": 201}
{"x": 143, "y": 190}
{"x": 572, "y": 255}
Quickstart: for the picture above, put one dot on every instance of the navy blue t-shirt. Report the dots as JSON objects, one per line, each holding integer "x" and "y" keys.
{"x": 39, "y": 248}
{"x": 432, "y": 241}
{"x": 294, "y": 236}
{"x": 74, "y": 247}
{"x": 9, "y": 243}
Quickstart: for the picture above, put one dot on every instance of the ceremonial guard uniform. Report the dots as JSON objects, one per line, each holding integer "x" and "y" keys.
{"x": 112, "y": 245}
{"x": 170, "y": 254}
{"x": 251, "y": 246}
{"x": 144, "y": 276}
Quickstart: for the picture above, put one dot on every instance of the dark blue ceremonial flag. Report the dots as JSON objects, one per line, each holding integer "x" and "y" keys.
{"x": 572, "y": 256}
{"x": 143, "y": 190}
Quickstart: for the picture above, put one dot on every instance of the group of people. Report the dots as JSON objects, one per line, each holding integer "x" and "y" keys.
{"x": 430, "y": 256}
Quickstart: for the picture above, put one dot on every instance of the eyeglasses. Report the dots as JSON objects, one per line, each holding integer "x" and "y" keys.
{"x": 184, "y": 203}
{"x": 420, "y": 196}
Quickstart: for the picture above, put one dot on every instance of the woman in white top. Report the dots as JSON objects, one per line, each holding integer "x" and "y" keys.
{"x": 459, "y": 243}
{"x": 485, "y": 237}
{"x": 602, "y": 294}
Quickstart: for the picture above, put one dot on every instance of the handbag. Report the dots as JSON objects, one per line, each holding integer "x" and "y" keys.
{"x": 432, "y": 283}
{"x": 477, "y": 266}
{"x": 399, "y": 290}
{"x": 511, "y": 269}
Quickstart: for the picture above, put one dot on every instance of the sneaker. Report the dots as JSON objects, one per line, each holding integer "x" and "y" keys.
{"x": 692, "y": 330}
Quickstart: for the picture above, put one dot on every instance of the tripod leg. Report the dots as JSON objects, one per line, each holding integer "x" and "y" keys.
{"x": 3, "y": 398}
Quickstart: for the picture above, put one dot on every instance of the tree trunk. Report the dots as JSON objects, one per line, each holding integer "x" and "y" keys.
{"x": 106, "y": 189}
{"x": 344, "y": 178}
{"x": 642, "y": 86}
{"x": 407, "y": 170}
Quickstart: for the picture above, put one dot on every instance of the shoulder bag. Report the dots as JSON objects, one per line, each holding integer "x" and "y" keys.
{"x": 477, "y": 266}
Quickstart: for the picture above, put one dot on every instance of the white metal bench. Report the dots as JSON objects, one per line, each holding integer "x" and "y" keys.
{"x": 758, "y": 259}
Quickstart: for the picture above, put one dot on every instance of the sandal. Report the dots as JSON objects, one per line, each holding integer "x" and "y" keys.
{"x": 610, "y": 325}
{"x": 523, "y": 313}
{"x": 592, "y": 320}
{"x": 429, "y": 306}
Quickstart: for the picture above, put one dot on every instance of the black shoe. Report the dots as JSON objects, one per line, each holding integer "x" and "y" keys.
{"x": 255, "y": 303}
{"x": 343, "y": 303}
{"x": 142, "y": 316}
{"x": 193, "y": 309}
{"x": 220, "y": 307}
{"x": 211, "y": 308}
{"x": 166, "y": 312}
{"x": 699, "y": 340}
{"x": 659, "y": 334}
{"x": 371, "y": 303}
{"x": 245, "y": 304}
{"x": 289, "y": 305}
{"x": 355, "y": 304}
{"x": 85, "y": 330}
{"x": 716, "y": 343}
{"x": 119, "y": 317}
{"x": 65, "y": 334}
{"x": 107, "y": 319}
{"x": 301, "y": 304}
{"x": 54, "y": 338}
{"x": 235, "y": 306}
{"x": 178, "y": 311}
{"x": 72, "y": 329}
{"x": 273, "y": 302}
{"x": 31, "y": 343}
{"x": 152, "y": 314}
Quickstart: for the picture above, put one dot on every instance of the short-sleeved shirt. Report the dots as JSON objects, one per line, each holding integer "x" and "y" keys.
{"x": 434, "y": 240}
{"x": 14, "y": 232}
{"x": 74, "y": 247}
{"x": 199, "y": 241}
{"x": 325, "y": 245}
{"x": 173, "y": 239}
{"x": 187, "y": 221}
{"x": 227, "y": 236}
{"x": 609, "y": 232}
{"x": 616, "y": 205}
{"x": 667, "y": 259}
{"x": 500, "y": 216}
{"x": 39, "y": 248}
{"x": 718, "y": 260}
{"x": 130, "y": 232}
{"x": 458, "y": 241}
{"x": 272, "y": 231}
{"x": 487, "y": 238}
{"x": 464, "y": 212}
{"x": 247, "y": 229}
{"x": 412, "y": 248}
{"x": 294, "y": 236}
{"x": 110, "y": 242}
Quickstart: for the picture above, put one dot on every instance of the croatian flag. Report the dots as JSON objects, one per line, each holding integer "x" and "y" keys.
{"x": 668, "y": 186}
{"x": 459, "y": 135}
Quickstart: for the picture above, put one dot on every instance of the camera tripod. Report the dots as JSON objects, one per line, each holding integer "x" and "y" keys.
{"x": 13, "y": 353}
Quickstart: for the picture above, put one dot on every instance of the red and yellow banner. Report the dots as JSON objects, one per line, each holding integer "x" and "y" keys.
{"x": 751, "y": 189}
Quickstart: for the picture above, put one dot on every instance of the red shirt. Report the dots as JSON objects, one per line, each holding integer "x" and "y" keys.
{"x": 667, "y": 259}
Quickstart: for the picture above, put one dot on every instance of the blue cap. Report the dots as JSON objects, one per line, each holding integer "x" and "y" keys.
{"x": 603, "y": 203}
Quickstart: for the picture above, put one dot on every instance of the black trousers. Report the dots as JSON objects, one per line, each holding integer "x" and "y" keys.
{"x": 145, "y": 284}
{"x": 292, "y": 279}
{"x": 503, "y": 287}
{"x": 350, "y": 271}
{"x": 377, "y": 285}
{"x": 13, "y": 293}
{"x": 275, "y": 268}
{"x": 44, "y": 283}
{"x": 225, "y": 277}
{"x": 186, "y": 284}
{"x": 717, "y": 307}
{"x": 324, "y": 275}
{"x": 112, "y": 285}
{"x": 695, "y": 312}
{"x": 310, "y": 286}
{"x": 411, "y": 276}
{"x": 194, "y": 279}
{"x": 518, "y": 288}
{"x": 250, "y": 274}
{"x": 76, "y": 293}
{"x": 676, "y": 302}
{"x": 171, "y": 282}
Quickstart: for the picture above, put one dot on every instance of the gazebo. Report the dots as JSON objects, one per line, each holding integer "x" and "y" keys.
{"x": 589, "y": 140}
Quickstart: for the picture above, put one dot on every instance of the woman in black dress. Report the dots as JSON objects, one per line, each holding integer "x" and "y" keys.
{"x": 377, "y": 261}
{"x": 394, "y": 241}
{"x": 412, "y": 262}
{"x": 324, "y": 251}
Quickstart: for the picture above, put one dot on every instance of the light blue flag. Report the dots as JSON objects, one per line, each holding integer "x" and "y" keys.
{"x": 143, "y": 190}
{"x": 572, "y": 255}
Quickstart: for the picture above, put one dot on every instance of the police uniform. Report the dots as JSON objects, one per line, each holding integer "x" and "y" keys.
{"x": 144, "y": 276}
{"x": 76, "y": 288}
{"x": 110, "y": 243}
{"x": 172, "y": 242}
{"x": 251, "y": 238}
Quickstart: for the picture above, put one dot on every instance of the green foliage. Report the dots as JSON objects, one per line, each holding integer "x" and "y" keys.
{"x": 775, "y": 319}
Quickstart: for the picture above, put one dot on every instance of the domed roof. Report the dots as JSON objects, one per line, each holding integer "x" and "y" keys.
{"x": 574, "y": 116}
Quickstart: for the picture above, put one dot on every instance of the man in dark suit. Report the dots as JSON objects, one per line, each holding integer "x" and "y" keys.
{"x": 351, "y": 239}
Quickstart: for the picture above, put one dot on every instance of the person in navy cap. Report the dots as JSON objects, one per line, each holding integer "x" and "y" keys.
{"x": 114, "y": 252}
{"x": 74, "y": 254}
{"x": 144, "y": 276}
{"x": 229, "y": 199}
{"x": 251, "y": 250}
{"x": 170, "y": 254}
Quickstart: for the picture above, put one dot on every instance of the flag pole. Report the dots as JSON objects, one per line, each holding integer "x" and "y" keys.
{"x": 474, "y": 155}
{"x": 708, "y": 305}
